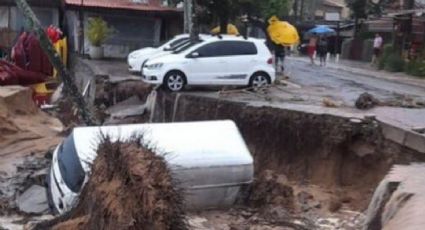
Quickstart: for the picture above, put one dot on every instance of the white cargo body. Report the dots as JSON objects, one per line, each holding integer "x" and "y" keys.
{"x": 210, "y": 159}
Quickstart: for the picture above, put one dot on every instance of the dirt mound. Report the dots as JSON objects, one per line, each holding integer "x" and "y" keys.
{"x": 24, "y": 129}
{"x": 270, "y": 188}
{"x": 14, "y": 100}
{"x": 130, "y": 188}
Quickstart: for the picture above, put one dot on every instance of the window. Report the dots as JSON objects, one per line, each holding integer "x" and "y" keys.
{"x": 176, "y": 43}
{"x": 184, "y": 47}
{"x": 70, "y": 166}
{"x": 227, "y": 48}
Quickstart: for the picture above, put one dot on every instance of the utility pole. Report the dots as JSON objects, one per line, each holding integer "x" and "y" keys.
{"x": 302, "y": 10}
{"x": 187, "y": 7}
{"x": 46, "y": 45}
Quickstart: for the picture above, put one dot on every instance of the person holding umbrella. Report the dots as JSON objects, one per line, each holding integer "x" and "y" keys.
{"x": 281, "y": 34}
{"x": 311, "y": 49}
{"x": 322, "y": 50}
{"x": 321, "y": 31}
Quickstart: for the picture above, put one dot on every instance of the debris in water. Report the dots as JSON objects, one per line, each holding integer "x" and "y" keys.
{"x": 366, "y": 101}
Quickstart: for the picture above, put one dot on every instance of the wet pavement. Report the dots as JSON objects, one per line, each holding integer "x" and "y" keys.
{"x": 347, "y": 85}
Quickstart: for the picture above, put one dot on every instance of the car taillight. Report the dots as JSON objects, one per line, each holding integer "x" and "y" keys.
{"x": 270, "y": 61}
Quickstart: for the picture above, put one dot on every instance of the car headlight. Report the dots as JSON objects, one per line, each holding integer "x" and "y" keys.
{"x": 155, "y": 66}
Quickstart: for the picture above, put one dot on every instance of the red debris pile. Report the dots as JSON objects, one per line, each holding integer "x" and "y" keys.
{"x": 31, "y": 64}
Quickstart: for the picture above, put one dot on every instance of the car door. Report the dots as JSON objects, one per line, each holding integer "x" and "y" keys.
{"x": 242, "y": 57}
{"x": 208, "y": 66}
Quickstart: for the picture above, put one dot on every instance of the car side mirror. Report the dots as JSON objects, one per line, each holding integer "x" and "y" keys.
{"x": 167, "y": 48}
{"x": 194, "y": 55}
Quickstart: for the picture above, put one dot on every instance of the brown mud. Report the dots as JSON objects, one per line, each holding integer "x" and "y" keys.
{"x": 130, "y": 188}
{"x": 340, "y": 160}
{"x": 24, "y": 129}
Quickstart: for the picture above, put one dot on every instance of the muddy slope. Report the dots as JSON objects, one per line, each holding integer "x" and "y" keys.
{"x": 347, "y": 159}
{"x": 130, "y": 188}
{"x": 24, "y": 128}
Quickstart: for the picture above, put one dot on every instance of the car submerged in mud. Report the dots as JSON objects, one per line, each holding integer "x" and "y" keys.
{"x": 210, "y": 159}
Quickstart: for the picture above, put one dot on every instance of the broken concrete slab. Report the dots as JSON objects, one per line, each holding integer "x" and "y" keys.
{"x": 415, "y": 141}
{"x": 132, "y": 101}
{"x": 393, "y": 133}
{"x": 33, "y": 200}
{"x": 399, "y": 200}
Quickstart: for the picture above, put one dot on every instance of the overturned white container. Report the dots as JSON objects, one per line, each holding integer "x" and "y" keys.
{"x": 210, "y": 159}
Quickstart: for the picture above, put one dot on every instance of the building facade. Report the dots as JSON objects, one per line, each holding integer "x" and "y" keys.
{"x": 12, "y": 21}
{"x": 137, "y": 23}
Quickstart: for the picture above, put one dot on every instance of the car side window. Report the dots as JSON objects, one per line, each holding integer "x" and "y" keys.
{"x": 209, "y": 50}
{"x": 178, "y": 42}
{"x": 242, "y": 48}
{"x": 227, "y": 48}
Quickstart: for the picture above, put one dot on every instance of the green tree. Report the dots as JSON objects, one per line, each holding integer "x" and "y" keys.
{"x": 361, "y": 9}
{"x": 224, "y": 11}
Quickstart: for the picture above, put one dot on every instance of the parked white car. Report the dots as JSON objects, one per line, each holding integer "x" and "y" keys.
{"x": 218, "y": 60}
{"x": 136, "y": 58}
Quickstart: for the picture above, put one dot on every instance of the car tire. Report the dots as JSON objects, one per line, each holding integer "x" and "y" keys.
{"x": 259, "y": 79}
{"x": 174, "y": 81}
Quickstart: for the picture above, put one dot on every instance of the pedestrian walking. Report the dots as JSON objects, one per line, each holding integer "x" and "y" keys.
{"x": 377, "y": 47}
{"x": 311, "y": 49}
{"x": 322, "y": 50}
{"x": 279, "y": 53}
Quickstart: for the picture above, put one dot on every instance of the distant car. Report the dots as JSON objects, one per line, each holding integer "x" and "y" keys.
{"x": 223, "y": 60}
{"x": 136, "y": 58}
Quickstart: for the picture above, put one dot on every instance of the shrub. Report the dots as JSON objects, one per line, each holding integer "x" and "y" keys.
{"x": 387, "y": 51}
{"x": 98, "y": 31}
{"x": 394, "y": 63}
{"x": 416, "y": 68}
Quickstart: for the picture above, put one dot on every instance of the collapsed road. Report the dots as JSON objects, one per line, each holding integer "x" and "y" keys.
{"x": 315, "y": 167}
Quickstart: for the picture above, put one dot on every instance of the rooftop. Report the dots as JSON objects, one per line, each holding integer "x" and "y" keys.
{"x": 152, "y": 5}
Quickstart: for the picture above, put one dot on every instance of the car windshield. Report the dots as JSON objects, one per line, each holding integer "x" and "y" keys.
{"x": 186, "y": 46}
{"x": 175, "y": 44}
{"x": 69, "y": 165}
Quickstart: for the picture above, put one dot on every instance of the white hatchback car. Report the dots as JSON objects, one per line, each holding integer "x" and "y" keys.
{"x": 136, "y": 58}
{"x": 218, "y": 60}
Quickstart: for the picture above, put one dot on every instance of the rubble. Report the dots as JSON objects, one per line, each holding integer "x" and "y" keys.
{"x": 366, "y": 101}
{"x": 33, "y": 200}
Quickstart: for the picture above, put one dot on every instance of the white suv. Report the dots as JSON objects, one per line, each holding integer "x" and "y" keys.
{"x": 224, "y": 60}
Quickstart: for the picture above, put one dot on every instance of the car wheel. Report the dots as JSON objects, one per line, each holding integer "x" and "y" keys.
{"x": 259, "y": 80}
{"x": 175, "y": 81}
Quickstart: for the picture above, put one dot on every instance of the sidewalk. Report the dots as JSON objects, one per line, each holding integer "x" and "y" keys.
{"x": 364, "y": 68}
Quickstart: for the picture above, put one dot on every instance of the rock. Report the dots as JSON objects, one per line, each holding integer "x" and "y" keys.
{"x": 197, "y": 222}
{"x": 327, "y": 102}
{"x": 304, "y": 196}
{"x": 33, "y": 200}
{"x": 39, "y": 176}
{"x": 366, "y": 101}
{"x": 334, "y": 205}
{"x": 245, "y": 214}
{"x": 277, "y": 213}
{"x": 316, "y": 204}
